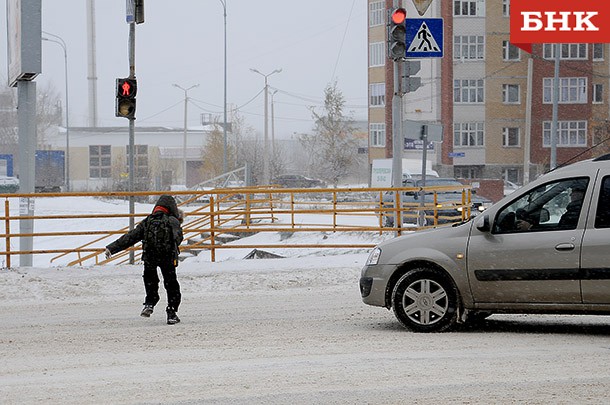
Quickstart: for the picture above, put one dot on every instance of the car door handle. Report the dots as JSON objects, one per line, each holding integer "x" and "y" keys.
{"x": 565, "y": 246}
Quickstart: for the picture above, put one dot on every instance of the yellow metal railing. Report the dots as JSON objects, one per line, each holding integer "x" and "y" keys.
{"x": 213, "y": 215}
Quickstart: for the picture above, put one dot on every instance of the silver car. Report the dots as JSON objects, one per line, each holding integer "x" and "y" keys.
{"x": 542, "y": 249}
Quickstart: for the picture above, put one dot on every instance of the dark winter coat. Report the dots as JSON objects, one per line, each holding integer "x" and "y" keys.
{"x": 569, "y": 219}
{"x": 166, "y": 205}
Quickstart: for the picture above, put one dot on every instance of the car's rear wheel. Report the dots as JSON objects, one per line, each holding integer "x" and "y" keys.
{"x": 425, "y": 300}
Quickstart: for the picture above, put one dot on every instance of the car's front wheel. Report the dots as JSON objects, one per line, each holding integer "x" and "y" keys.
{"x": 425, "y": 300}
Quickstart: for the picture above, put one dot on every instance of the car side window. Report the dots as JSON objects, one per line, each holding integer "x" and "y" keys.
{"x": 549, "y": 207}
{"x": 602, "y": 218}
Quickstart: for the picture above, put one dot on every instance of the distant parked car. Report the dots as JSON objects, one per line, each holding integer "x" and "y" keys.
{"x": 297, "y": 181}
{"x": 449, "y": 208}
{"x": 509, "y": 187}
{"x": 9, "y": 184}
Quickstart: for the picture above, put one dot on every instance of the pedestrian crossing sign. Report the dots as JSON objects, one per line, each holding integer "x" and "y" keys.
{"x": 424, "y": 38}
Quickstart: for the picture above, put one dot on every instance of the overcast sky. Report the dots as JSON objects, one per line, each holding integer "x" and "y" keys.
{"x": 314, "y": 42}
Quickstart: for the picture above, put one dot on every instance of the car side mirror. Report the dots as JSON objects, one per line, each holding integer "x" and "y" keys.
{"x": 483, "y": 223}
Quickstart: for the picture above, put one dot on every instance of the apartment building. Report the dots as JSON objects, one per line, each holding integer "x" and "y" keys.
{"x": 495, "y": 101}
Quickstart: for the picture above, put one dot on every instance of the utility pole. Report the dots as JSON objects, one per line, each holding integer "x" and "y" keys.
{"x": 554, "y": 122}
{"x": 272, "y": 126}
{"x": 527, "y": 141}
{"x": 186, "y": 99}
{"x": 24, "y": 28}
{"x": 266, "y": 174}
{"x": 92, "y": 63}
{"x": 62, "y": 43}
{"x": 225, "y": 165}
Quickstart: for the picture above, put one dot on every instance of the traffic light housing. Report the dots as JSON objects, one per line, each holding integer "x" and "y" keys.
{"x": 397, "y": 34}
{"x": 126, "y": 90}
{"x": 410, "y": 82}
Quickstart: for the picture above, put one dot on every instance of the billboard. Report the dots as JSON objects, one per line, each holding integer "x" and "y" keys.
{"x": 23, "y": 22}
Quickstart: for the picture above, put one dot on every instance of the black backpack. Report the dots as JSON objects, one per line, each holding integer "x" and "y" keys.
{"x": 158, "y": 241}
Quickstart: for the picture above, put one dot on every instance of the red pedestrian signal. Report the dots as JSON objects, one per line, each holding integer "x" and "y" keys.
{"x": 126, "y": 90}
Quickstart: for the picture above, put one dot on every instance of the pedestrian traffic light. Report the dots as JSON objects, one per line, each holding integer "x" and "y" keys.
{"x": 126, "y": 90}
{"x": 397, "y": 34}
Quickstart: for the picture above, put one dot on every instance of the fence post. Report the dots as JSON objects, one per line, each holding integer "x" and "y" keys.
{"x": 7, "y": 231}
{"x": 334, "y": 210}
{"x": 248, "y": 209}
{"x": 212, "y": 227}
{"x": 270, "y": 195}
{"x": 292, "y": 209}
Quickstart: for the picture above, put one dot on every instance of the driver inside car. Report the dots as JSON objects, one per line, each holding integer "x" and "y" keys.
{"x": 568, "y": 220}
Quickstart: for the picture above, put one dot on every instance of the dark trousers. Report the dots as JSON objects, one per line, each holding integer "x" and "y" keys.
{"x": 170, "y": 282}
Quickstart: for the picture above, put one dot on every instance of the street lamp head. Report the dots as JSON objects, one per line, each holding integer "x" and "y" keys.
{"x": 265, "y": 75}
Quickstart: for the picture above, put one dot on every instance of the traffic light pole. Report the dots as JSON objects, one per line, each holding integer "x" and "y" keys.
{"x": 397, "y": 140}
{"x": 396, "y": 50}
{"x": 132, "y": 122}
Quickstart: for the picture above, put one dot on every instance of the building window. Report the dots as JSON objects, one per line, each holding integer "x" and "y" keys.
{"x": 468, "y": 134}
{"x": 377, "y": 135}
{"x": 140, "y": 161}
{"x": 568, "y": 51}
{"x": 376, "y": 54}
{"x": 510, "y": 137}
{"x": 572, "y": 90}
{"x": 377, "y": 95}
{"x": 512, "y": 174}
{"x": 598, "y": 51}
{"x": 570, "y": 133}
{"x": 469, "y": 8}
{"x": 376, "y": 13}
{"x": 100, "y": 161}
{"x": 510, "y": 51}
{"x": 467, "y": 172}
{"x": 468, "y": 91}
{"x": 469, "y": 47}
{"x": 598, "y": 93}
{"x": 510, "y": 94}
{"x": 506, "y": 8}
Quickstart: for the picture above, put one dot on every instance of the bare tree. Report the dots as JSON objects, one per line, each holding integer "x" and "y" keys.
{"x": 331, "y": 148}
{"x": 247, "y": 149}
{"x": 48, "y": 113}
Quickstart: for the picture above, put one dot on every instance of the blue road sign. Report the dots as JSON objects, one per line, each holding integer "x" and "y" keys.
{"x": 424, "y": 38}
{"x": 457, "y": 154}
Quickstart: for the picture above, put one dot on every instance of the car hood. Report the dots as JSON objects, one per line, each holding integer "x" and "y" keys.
{"x": 441, "y": 245}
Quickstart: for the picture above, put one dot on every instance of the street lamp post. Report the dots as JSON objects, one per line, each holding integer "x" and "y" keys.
{"x": 62, "y": 43}
{"x": 266, "y": 176}
{"x": 185, "y": 126}
{"x": 224, "y": 129}
{"x": 272, "y": 125}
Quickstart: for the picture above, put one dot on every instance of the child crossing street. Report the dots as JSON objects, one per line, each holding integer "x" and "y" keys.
{"x": 161, "y": 235}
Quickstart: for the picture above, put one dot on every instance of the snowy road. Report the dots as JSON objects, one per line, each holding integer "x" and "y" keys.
{"x": 295, "y": 332}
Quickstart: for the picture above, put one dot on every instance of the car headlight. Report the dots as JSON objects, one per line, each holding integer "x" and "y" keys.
{"x": 374, "y": 256}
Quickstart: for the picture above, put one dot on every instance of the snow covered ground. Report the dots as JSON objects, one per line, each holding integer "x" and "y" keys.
{"x": 273, "y": 331}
